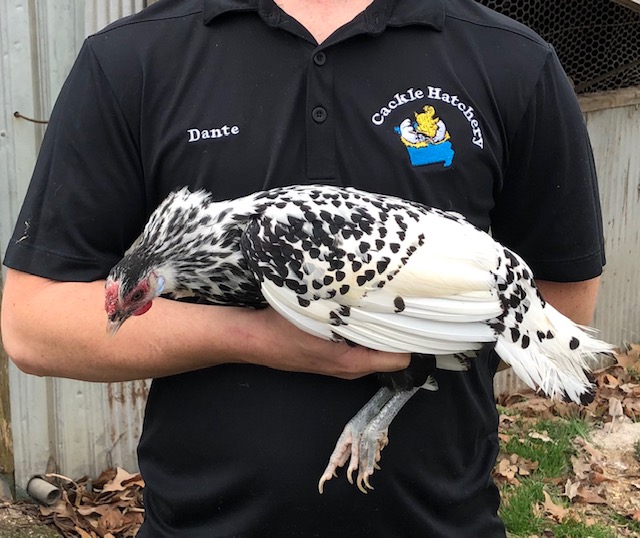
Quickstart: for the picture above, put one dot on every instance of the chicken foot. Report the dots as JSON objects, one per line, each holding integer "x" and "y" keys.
{"x": 364, "y": 437}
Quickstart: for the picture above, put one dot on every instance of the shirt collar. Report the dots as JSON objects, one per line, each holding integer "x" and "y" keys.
{"x": 378, "y": 15}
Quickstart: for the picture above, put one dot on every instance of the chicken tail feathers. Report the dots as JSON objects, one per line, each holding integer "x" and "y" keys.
{"x": 552, "y": 354}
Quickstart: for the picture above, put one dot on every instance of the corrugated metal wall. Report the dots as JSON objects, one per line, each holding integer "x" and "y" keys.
{"x": 87, "y": 427}
{"x": 100, "y": 13}
{"x": 615, "y": 137}
{"x": 84, "y": 427}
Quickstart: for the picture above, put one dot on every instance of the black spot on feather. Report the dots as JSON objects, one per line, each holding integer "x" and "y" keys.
{"x": 382, "y": 265}
{"x": 515, "y": 334}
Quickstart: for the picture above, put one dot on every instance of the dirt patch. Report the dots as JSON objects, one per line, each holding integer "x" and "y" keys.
{"x": 616, "y": 443}
{"x": 16, "y": 521}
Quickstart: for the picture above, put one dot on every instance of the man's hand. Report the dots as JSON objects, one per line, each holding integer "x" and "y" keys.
{"x": 289, "y": 348}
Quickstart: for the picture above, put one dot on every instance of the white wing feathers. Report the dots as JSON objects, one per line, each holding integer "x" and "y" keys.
{"x": 375, "y": 324}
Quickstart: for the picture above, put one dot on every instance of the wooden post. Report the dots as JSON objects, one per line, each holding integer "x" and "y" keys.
{"x": 6, "y": 438}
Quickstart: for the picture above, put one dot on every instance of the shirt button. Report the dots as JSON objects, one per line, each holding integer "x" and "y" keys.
{"x": 319, "y": 114}
{"x": 320, "y": 58}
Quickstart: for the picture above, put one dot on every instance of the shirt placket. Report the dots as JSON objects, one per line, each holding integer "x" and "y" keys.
{"x": 320, "y": 119}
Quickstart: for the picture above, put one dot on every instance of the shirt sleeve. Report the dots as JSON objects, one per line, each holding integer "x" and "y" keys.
{"x": 85, "y": 204}
{"x": 548, "y": 207}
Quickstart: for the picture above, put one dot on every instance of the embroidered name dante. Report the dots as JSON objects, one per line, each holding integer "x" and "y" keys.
{"x": 217, "y": 132}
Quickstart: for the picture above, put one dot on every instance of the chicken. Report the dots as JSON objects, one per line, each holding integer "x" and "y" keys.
{"x": 368, "y": 269}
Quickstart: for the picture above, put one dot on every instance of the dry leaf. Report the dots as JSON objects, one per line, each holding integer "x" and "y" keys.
{"x": 585, "y": 495}
{"x": 110, "y": 507}
{"x": 595, "y": 454}
{"x": 598, "y": 478}
{"x": 571, "y": 489}
{"x": 556, "y": 511}
{"x": 581, "y": 467}
{"x": 630, "y": 359}
{"x": 542, "y": 436}
{"x": 120, "y": 481}
{"x": 608, "y": 380}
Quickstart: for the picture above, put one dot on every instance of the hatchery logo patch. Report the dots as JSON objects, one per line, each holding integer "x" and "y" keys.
{"x": 424, "y": 132}
{"x": 426, "y": 138}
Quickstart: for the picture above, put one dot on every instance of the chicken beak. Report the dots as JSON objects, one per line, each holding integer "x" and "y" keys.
{"x": 114, "y": 324}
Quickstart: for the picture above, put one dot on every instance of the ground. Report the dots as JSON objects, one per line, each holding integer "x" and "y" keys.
{"x": 15, "y": 523}
{"x": 580, "y": 464}
{"x": 619, "y": 460}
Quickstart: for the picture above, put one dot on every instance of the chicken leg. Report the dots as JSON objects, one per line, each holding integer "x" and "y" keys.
{"x": 365, "y": 435}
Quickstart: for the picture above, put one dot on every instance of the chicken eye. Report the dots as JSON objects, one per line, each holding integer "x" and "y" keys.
{"x": 137, "y": 295}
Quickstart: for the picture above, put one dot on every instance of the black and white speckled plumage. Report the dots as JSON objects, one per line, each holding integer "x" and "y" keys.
{"x": 373, "y": 270}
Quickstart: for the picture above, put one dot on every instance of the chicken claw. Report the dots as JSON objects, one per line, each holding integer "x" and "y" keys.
{"x": 364, "y": 437}
{"x": 348, "y": 444}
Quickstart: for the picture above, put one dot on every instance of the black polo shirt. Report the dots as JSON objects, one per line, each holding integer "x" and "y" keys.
{"x": 447, "y": 103}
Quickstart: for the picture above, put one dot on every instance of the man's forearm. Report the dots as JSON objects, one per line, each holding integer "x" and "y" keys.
{"x": 59, "y": 329}
{"x": 576, "y": 300}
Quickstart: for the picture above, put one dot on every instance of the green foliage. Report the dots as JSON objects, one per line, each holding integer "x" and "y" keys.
{"x": 516, "y": 510}
{"x": 554, "y": 456}
{"x": 552, "y": 447}
{"x": 633, "y": 373}
{"x": 571, "y": 528}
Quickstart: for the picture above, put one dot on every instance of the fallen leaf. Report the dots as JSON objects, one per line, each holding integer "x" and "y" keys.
{"x": 118, "y": 482}
{"x": 581, "y": 467}
{"x": 109, "y": 507}
{"x": 595, "y": 454}
{"x": 598, "y": 478}
{"x": 542, "y": 436}
{"x": 571, "y": 489}
{"x": 556, "y": 511}
{"x": 608, "y": 380}
{"x": 585, "y": 495}
{"x": 630, "y": 359}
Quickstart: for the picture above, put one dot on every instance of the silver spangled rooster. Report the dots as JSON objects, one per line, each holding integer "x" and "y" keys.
{"x": 373, "y": 270}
